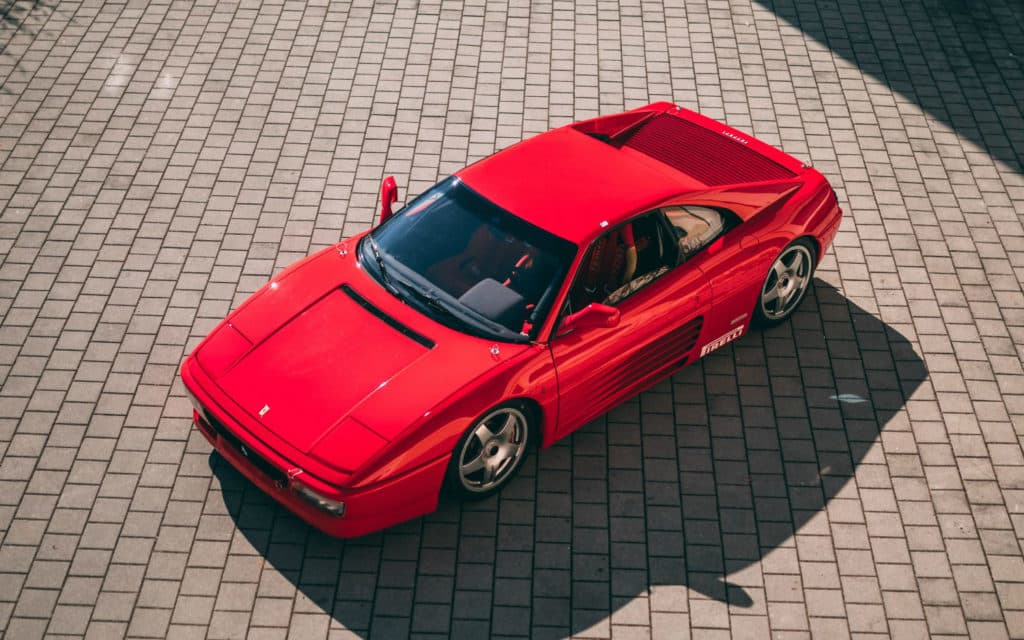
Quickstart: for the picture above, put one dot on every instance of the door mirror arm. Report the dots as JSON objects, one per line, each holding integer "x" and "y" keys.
{"x": 594, "y": 315}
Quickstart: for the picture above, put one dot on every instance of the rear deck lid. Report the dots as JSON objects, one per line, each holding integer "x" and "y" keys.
{"x": 712, "y": 157}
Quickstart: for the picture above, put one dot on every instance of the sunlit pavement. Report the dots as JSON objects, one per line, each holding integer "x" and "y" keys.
{"x": 855, "y": 472}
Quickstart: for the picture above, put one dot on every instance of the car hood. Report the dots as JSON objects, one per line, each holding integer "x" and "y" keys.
{"x": 330, "y": 364}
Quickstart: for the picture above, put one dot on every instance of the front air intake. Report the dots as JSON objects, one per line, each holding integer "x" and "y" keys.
{"x": 700, "y": 153}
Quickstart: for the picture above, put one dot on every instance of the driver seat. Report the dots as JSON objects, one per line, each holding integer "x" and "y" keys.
{"x": 612, "y": 262}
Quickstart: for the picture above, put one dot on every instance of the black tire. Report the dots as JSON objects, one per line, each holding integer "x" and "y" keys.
{"x": 786, "y": 283}
{"x": 484, "y": 444}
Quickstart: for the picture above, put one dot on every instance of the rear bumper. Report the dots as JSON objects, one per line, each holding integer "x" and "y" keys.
{"x": 409, "y": 495}
{"x": 830, "y": 231}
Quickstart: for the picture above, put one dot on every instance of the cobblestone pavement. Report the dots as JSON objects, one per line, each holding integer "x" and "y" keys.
{"x": 857, "y": 471}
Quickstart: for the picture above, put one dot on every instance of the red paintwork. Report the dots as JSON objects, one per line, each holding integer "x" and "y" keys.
{"x": 369, "y": 416}
{"x": 388, "y": 197}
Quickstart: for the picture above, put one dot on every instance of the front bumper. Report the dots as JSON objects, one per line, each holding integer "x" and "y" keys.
{"x": 367, "y": 509}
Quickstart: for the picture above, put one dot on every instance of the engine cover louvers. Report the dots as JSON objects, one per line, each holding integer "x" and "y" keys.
{"x": 705, "y": 155}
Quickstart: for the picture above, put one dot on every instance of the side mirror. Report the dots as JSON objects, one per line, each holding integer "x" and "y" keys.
{"x": 388, "y": 196}
{"x": 594, "y": 315}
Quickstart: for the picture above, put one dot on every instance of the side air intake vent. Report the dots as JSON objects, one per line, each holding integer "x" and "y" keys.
{"x": 703, "y": 154}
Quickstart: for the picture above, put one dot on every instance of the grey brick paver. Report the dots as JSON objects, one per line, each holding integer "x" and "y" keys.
{"x": 159, "y": 161}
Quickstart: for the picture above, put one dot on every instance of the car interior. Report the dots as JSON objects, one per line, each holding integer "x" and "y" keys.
{"x": 632, "y": 255}
{"x": 486, "y": 254}
{"x": 499, "y": 276}
{"x": 503, "y": 278}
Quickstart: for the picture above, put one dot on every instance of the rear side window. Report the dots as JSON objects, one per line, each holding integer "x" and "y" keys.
{"x": 695, "y": 227}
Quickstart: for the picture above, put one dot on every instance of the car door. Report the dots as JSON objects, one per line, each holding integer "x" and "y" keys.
{"x": 736, "y": 266}
{"x": 659, "y": 326}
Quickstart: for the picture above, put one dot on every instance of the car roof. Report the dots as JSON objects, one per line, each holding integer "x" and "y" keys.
{"x": 572, "y": 184}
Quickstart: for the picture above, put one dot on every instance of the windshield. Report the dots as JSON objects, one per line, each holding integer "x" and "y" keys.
{"x": 468, "y": 263}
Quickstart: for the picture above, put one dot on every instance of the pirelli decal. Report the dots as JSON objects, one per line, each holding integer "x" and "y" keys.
{"x": 721, "y": 341}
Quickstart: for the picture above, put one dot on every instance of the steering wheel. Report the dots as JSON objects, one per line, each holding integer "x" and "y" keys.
{"x": 525, "y": 261}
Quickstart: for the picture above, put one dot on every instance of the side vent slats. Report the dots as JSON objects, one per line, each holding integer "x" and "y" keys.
{"x": 702, "y": 154}
{"x": 655, "y": 357}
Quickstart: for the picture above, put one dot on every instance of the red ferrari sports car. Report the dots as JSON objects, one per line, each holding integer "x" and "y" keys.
{"x": 503, "y": 308}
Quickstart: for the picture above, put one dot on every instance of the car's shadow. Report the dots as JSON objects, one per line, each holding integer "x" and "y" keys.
{"x": 680, "y": 494}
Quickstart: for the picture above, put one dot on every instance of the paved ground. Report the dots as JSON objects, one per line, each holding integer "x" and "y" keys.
{"x": 858, "y": 471}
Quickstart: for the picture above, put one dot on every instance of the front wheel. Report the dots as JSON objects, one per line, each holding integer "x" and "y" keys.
{"x": 490, "y": 453}
{"x": 786, "y": 284}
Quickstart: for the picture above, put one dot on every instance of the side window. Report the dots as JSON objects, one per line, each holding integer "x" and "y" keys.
{"x": 695, "y": 227}
{"x": 623, "y": 261}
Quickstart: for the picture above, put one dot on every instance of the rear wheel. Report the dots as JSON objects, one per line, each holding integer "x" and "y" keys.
{"x": 786, "y": 284}
{"x": 491, "y": 452}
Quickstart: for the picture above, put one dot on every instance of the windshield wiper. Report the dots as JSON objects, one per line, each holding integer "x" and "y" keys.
{"x": 389, "y": 284}
{"x": 434, "y": 303}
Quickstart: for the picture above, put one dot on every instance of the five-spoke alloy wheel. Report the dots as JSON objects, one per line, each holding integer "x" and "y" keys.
{"x": 490, "y": 452}
{"x": 786, "y": 283}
